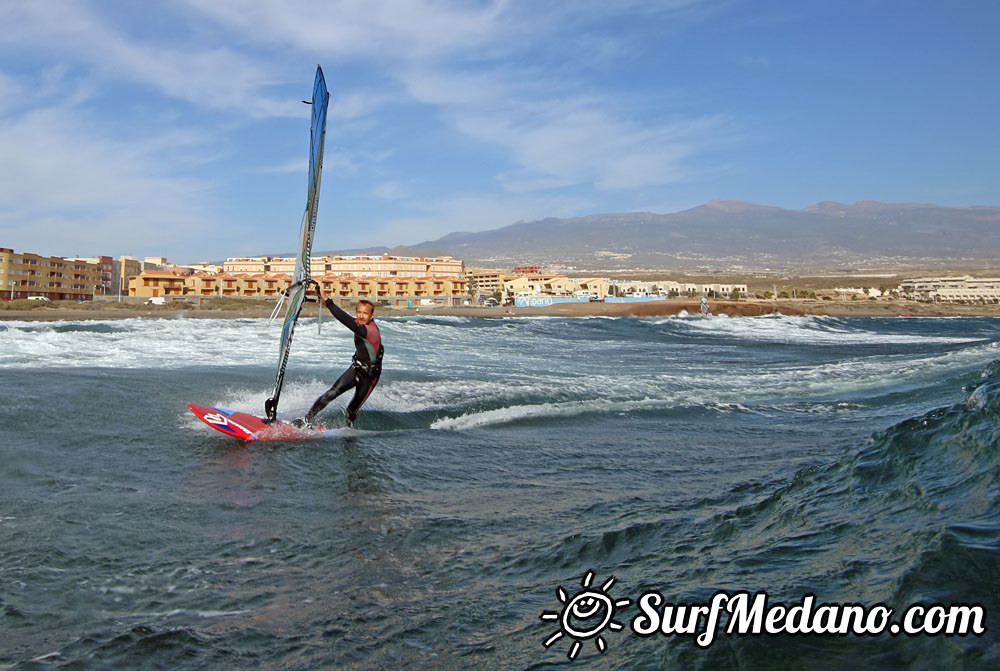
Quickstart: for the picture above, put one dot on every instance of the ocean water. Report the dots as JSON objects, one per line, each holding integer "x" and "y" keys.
{"x": 502, "y": 466}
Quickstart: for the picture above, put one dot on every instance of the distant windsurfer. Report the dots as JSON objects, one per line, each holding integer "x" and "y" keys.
{"x": 366, "y": 366}
{"x": 705, "y": 309}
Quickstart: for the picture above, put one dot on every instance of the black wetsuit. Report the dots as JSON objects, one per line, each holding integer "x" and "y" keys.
{"x": 365, "y": 370}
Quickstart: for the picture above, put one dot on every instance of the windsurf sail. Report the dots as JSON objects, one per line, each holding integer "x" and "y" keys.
{"x": 301, "y": 280}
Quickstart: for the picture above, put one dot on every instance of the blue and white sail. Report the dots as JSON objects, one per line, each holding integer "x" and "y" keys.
{"x": 301, "y": 279}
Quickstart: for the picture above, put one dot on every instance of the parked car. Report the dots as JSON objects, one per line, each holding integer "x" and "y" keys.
{"x": 39, "y": 298}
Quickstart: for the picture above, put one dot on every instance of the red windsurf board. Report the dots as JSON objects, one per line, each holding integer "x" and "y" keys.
{"x": 245, "y": 426}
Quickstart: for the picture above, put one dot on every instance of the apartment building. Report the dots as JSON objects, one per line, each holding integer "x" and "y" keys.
{"x": 486, "y": 282}
{"x": 549, "y": 285}
{"x": 399, "y": 291}
{"x": 963, "y": 288}
{"x": 23, "y": 275}
{"x": 554, "y": 285}
{"x": 157, "y": 283}
{"x": 107, "y": 265}
{"x": 359, "y": 266}
{"x": 250, "y": 264}
{"x": 666, "y": 287}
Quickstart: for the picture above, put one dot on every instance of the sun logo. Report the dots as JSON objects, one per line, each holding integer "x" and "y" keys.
{"x": 585, "y": 615}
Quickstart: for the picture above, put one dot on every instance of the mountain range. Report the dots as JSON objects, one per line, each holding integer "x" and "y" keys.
{"x": 733, "y": 234}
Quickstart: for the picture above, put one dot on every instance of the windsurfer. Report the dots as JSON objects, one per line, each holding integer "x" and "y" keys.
{"x": 366, "y": 366}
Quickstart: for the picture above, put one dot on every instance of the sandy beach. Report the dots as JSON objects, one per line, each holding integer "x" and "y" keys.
{"x": 859, "y": 308}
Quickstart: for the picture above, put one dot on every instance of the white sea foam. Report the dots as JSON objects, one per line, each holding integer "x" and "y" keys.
{"x": 498, "y": 371}
{"x": 805, "y": 329}
{"x": 544, "y": 410}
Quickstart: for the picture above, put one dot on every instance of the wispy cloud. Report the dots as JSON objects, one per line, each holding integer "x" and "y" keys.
{"x": 60, "y": 182}
{"x": 359, "y": 29}
{"x": 124, "y": 118}
{"x": 187, "y": 69}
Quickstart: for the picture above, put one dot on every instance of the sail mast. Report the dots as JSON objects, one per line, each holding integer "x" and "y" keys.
{"x": 301, "y": 279}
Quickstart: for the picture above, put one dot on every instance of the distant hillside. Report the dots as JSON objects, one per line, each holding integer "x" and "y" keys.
{"x": 733, "y": 233}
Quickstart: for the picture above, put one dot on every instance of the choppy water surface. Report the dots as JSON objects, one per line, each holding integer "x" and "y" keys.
{"x": 499, "y": 461}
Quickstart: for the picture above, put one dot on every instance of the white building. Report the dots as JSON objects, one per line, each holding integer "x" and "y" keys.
{"x": 664, "y": 288}
{"x": 963, "y": 288}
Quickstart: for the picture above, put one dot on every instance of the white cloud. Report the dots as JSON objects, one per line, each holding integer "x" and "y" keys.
{"x": 207, "y": 75}
{"x": 388, "y": 191}
{"x": 567, "y": 142}
{"x": 369, "y": 29}
{"x": 471, "y": 65}
{"x": 90, "y": 195}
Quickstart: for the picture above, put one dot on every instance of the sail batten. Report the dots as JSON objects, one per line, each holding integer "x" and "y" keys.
{"x": 301, "y": 279}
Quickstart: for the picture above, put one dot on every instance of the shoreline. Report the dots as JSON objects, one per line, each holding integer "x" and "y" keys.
{"x": 658, "y": 308}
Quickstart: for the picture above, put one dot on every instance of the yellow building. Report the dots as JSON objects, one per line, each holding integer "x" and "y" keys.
{"x": 205, "y": 267}
{"x": 400, "y": 291}
{"x": 359, "y": 266}
{"x": 201, "y": 284}
{"x": 395, "y": 290}
{"x": 23, "y": 275}
{"x": 595, "y": 288}
{"x": 489, "y": 282}
{"x": 126, "y": 267}
{"x": 486, "y": 282}
{"x": 249, "y": 264}
{"x": 547, "y": 285}
{"x": 157, "y": 283}
{"x": 598, "y": 286}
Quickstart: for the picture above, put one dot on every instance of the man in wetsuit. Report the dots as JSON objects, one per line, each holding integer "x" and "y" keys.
{"x": 366, "y": 366}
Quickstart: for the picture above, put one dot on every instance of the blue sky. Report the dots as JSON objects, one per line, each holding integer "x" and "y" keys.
{"x": 175, "y": 128}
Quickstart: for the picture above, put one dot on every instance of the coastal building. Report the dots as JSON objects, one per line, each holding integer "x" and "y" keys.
{"x": 107, "y": 265}
{"x": 541, "y": 285}
{"x": 400, "y": 291}
{"x": 682, "y": 289}
{"x": 490, "y": 282}
{"x": 554, "y": 286}
{"x": 157, "y": 283}
{"x": 857, "y": 292}
{"x": 485, "y": 282}
{"x": 358, "y": 265}
{"x": 205, "y": 267}
{"x": 962, "y": 288}
{"x": 127, "y": 267}
{"x": 596, "y": 287}
{"x": 24, "y": 275}
{"x": 249, "y": 264}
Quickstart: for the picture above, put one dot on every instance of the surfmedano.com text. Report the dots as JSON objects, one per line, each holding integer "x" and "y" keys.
{"x": 754, "y": 615}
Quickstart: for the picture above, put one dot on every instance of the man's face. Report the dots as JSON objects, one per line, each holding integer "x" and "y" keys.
{"x": 364, "y": 313}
